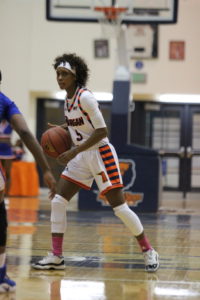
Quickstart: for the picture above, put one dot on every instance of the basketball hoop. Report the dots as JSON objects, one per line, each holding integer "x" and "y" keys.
{"x": 111, "y": 19}
{"x": 111, "y": 12}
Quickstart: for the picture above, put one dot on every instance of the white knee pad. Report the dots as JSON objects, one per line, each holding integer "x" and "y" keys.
{"x": 129, "y": 218}
{"x": 58, "y": 214}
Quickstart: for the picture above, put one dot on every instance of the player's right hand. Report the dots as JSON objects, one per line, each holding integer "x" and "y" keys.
{"x": 65, "y": 157}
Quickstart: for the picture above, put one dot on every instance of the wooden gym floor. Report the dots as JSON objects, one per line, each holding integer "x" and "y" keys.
{"x": 103, "y": 260}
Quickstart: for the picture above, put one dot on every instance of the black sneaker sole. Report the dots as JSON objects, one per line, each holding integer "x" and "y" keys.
{"x": 48, "y": 267}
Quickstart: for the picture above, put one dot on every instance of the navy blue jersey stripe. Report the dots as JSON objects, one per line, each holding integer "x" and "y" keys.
{"x": 102, "y": 147}
{"x": 114, "y": 177}
{"x": 105, "y": 151}
{"x": 107, "y": 165}
{"x": 112, "y": 171}
{"x": 107, "y": 158}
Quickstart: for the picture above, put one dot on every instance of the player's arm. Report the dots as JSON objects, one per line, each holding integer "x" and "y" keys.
{"x": 96, "y": 137}
{"x": 20, "y": 126}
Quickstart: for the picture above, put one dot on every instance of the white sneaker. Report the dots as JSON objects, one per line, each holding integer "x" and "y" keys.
{"x": 151, "y": 260}
{"x": 50, "y": 262}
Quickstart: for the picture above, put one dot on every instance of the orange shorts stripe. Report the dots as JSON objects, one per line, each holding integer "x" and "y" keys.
{"x": 109, "y": 161}
{"x": 114, "y": 174}
{"x": 106, "y": 155}
{"x": 108, "y": 167}
{"x": 111, "y": 168}
{"x": 104, "y": 148}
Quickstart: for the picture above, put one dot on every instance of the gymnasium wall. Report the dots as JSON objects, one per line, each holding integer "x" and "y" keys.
{"x": 29, "y": 43}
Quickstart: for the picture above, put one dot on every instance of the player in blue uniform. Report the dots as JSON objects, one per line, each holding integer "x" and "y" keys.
{"x": 6, "y": 152}
{"x": 10, "y": 112}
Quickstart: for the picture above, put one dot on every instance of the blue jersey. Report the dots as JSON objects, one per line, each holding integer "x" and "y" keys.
{"x": 5, "y": 129}
{"x": 7, "y": 108}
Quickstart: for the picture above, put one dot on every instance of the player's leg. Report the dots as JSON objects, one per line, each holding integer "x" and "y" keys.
{"x": 111, "y": 186}
{"x": 132, "y": 222}
{"x": 55, "y": 260}
{"x": 66, "y": 190}
{"x": 74, "y": 176}
{"x": 69, "y": 184}
{"x": 6, "y": 284}
{"x": 7, "y": 165}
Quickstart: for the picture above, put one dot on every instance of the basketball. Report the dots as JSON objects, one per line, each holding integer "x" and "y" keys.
{"x": 55, "y": 141}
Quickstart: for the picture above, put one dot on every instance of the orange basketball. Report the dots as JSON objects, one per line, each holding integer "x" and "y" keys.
{"x": 55, "y": 141}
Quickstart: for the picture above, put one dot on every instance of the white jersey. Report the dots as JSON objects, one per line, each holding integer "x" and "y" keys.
{"x": 83, "y": 116}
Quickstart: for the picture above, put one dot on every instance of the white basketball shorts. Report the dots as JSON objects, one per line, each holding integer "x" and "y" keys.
{"x": 99, "y": 164}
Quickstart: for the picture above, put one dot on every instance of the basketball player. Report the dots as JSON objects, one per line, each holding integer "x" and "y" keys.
{"x": 6, "y": 153}
{"x": 10, "y": 112}
{"x": 92, "y": 158}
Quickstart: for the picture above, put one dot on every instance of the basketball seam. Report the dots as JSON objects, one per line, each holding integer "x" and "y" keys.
{"x": 65, "y": 141}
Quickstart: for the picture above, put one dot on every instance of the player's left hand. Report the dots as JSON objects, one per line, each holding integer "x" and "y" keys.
{"x": 50, "y": 125}
{"x": 50, "y": 182}
{"x": 65, "y": 157}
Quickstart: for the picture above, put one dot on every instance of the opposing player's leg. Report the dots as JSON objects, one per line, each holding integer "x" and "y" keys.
{"x": 133, "y": 223}
{"x": 7, "y": 165}
{"x": 55, "y": 260}
{"x": 6, "y": 284}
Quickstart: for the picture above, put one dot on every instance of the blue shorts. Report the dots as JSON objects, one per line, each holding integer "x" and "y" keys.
{"x": 6, "y": 151}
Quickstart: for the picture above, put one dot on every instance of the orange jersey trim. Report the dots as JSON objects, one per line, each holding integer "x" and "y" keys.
{"x": 76, "y": 182}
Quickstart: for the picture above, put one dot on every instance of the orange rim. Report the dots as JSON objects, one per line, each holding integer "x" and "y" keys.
{"x": 110, "y": 12}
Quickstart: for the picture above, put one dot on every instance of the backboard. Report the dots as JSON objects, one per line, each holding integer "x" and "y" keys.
{"x": 138, "y": 11}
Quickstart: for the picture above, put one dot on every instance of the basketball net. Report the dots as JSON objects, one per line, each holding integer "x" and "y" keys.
{"x": 111, "y": 23}
{"x": 110, "y": 20}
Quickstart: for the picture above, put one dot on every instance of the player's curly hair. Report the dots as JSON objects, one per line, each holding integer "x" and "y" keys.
{"x": 82, "y": 71}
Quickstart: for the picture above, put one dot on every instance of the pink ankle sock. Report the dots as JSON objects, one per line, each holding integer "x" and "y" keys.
{"x": 57, "y": 242}
{"x": 144, "y": 244}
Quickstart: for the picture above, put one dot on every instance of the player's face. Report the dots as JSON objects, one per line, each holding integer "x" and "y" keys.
{"x": 65, "y": 78}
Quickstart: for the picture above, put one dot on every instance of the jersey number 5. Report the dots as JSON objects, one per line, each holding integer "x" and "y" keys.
{"x": 79, "y": 136}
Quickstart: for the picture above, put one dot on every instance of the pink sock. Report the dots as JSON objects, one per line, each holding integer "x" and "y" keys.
{"x": 57, "y": 242}
{"x": 144, "y": 244}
